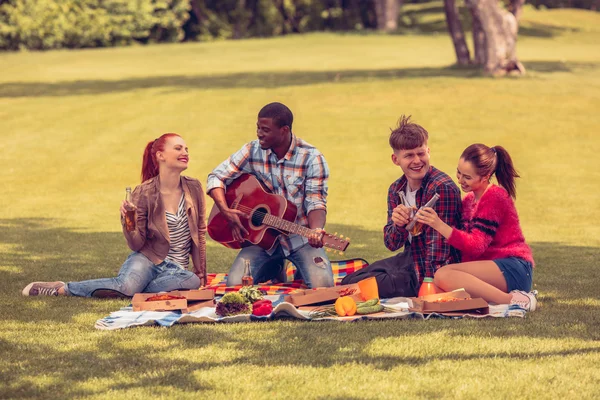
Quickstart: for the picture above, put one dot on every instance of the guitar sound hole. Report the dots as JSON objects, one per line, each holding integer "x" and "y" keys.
{"x": 258, "y": 216}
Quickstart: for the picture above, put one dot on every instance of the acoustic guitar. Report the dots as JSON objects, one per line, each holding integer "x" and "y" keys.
{"x": 270, "y": 215}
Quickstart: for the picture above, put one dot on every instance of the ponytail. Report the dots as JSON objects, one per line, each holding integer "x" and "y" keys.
{"x": 493, "y": 160}
{"x": 505, "y": 171}
{"x": 149, "y": 161}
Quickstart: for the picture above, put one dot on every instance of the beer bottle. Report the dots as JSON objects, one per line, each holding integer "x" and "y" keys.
{"x": 130, "y": 213}
{"x": 247, "y": 279}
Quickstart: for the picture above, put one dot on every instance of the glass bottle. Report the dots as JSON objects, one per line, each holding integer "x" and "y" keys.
{"x": 130, "y": 213}
{"x": 427, "y": 287}
{"x": 247, "y": 279}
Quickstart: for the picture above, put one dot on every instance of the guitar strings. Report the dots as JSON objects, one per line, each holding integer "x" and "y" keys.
{"x": 262, "y": 214}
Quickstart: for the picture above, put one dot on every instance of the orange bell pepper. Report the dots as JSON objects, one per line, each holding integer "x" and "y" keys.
{"x": 345, "y": 306}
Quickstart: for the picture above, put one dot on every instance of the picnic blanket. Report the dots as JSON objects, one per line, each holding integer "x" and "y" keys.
{"x": 127, "y": 318}
{"x": 340, "y": 268}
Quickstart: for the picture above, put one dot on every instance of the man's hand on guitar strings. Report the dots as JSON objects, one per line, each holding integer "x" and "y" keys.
{"x": 315, "y": 239}
{"x": 237, "y": 229}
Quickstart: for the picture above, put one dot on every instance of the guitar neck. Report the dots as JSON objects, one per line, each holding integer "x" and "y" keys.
{"x": 281, "y": 224}
{"x": 286, "y": 226}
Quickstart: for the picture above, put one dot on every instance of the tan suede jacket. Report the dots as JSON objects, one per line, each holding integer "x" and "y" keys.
{"x": 151, "y": 234}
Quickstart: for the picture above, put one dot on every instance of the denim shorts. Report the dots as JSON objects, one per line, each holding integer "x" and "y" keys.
{"x": 517, "y": 272}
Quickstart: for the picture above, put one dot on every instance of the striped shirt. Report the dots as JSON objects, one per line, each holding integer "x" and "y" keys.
{"x": 300, "y": 176}
{"x": 179, "y": 235}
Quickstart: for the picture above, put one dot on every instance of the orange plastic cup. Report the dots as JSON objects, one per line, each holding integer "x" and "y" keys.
{"x": 368, "y": 289}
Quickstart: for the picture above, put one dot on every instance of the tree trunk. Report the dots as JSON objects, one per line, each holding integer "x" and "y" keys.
{"x": 500, "y": 30}
{"x": 240, "y": 20}
{"x": 478, "y": 40}
{"x": 386, "y": 12}
{"x": 197, "y": 10}
{"x": 516, "y": 8}
{"x": 457, "y": 33}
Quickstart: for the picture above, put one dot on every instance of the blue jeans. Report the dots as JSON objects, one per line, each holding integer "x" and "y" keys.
{"x": 312, "y": 265}
{"x": 137, "y": 275}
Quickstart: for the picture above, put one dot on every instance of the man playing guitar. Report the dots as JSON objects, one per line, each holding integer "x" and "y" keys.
{"x": 286, "y": 165}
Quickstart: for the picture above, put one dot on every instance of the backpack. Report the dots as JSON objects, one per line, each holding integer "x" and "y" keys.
{"x": 395, "y": 276}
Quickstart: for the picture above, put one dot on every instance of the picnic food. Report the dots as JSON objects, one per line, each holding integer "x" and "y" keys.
{"x": 447, "y": 300}
{"x": 251, "y": 294}
{"x": 233, "y": 303}
{"x": 345, "y": 306}
{"x": 370, "y": 309}
{"x": 164, "y": 297}
{"x": 369, "y": 303}
{"x": 347, "y": 292}
{"x": 262, "y": 307}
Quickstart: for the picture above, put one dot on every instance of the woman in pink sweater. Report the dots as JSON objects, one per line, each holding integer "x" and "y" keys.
{"x": 497, "y": 263}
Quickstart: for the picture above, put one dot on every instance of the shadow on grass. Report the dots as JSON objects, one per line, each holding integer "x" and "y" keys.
{"x": 423, "y": 20}
{"x": 36, "y": 249}
{"x": 140, "y": 367}
{"x": 260, "y": 79}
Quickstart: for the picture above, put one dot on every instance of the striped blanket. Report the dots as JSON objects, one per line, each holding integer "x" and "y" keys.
{"x": 217, "y": 282}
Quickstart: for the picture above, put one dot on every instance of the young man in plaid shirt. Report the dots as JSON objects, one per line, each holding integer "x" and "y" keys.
{"x": 420, "y": 182}
{"x": 286, "y": 165}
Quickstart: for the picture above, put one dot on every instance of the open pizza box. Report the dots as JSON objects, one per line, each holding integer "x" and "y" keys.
{"x": 455, "y": 303}
{"x": 323, "y": 295}
{"x": 192, "y": 300}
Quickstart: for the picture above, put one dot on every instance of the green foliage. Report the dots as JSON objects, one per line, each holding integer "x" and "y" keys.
{"x": 45, "y": 24}
{"x": 54, "y": 24}
{"x": 234, "y": 19}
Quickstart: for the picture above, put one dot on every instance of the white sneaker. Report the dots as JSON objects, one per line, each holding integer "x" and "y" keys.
{"x": 525, "y": 300}
{"x": 42, "y": 288}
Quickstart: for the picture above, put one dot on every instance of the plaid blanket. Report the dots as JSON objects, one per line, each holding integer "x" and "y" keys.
{"x": 217, "y": 282}
{"x": 126, "y": 318}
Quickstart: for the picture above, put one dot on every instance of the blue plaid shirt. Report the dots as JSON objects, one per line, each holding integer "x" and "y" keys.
{"x": 300, "y": 176}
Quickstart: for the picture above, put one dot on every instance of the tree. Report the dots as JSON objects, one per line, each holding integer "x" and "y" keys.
{"x": 516, "y": 8}
{"x": 387, "y": 14}
{"x": 456, "y": 32}
{"x": 495, "y": 37}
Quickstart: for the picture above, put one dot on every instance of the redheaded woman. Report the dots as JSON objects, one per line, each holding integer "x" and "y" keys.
{"x": 497, "y": 263}
{"x": 170, "y": 227}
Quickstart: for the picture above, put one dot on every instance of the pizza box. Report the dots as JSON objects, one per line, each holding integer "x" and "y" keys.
{"x": 195, "y": 295}
{"x": 458, "y": 302}
{"x": 191, "y": 297}
{"x": 323, "y": 295}
{"x": 196, "y": 305}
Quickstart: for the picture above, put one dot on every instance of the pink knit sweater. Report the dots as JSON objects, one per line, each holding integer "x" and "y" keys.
{"x": 491, "y": 228}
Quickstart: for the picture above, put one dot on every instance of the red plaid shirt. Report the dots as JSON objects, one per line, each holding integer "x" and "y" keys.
{"x": 430, "y": 250}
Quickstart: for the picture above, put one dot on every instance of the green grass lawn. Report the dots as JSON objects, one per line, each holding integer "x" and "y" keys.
{"x": 73, "y": 127}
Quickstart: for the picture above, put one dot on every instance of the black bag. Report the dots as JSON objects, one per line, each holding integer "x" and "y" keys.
{"x": 395, "y": 276}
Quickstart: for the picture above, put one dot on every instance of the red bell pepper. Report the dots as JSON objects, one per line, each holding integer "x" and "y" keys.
{"x": 262, "y": 307}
